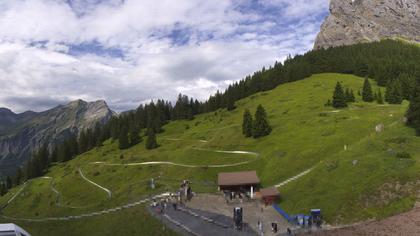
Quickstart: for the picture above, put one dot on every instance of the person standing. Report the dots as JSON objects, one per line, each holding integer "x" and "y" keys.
{"x": 260, "y": 227}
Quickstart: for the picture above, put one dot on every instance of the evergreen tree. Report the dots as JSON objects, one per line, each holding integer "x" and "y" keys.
{"x": 123, "y": 138}
{"x": 379, "y": 97}
{"x": 29, "y": 169}
{"x": 83, "y": 142}
{"x": 9, "y": 183}
{"x": 151, "y": 142}
{"x": 367, "y": 94}
{"x": 261, "y": 126}
{"x": 339, "y": 98}
{"x": 96, "y": 136}
{"x": 3, "y": 189}
{"x": 247, "y": 123}
{"x": 43, "y": 158}
{"x": 413, "y": 112}
{"x": 18, "y": 176}
{"x": 134, "y": 136}
{"x": 64, "y": 152}
{"x": 230, "y": 104}
{"x": 408, "y": 83}
{"x": 393, "y": 93}
{"x": 54, "y": 155}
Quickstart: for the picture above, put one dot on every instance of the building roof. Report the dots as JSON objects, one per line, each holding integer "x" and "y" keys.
{"x": 238, "y": 178}
{"x": 12, "y": 228}
{"x": 269, "y": 192}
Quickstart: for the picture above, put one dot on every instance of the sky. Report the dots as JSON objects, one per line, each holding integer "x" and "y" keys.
{"x": 128, "y": 52}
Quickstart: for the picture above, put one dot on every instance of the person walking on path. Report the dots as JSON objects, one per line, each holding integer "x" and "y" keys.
{"x": 260, "y": 227}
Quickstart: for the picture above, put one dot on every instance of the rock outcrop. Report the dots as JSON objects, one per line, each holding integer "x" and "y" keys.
{"x": 20, "y": 134}
{"x": 358, "y": 21}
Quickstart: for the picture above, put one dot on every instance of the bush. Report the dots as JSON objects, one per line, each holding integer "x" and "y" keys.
{"x": 403, "y": 155}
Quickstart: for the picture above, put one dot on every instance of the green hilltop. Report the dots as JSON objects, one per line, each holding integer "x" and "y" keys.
{"x": 352, "y": 172}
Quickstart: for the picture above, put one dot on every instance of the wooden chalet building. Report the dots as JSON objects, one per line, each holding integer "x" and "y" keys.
{"x": 245, "y": 181}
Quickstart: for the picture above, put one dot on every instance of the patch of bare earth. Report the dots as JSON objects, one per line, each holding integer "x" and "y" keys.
{"x": 404, "y": 224}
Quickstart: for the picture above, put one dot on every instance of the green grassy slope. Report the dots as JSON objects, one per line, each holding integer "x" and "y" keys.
{"x": 305, "y": 134}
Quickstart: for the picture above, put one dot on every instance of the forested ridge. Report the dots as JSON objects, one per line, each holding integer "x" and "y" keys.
{"x": 391, "y": 63}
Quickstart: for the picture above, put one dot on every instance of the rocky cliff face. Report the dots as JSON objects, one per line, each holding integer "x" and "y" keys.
{"x": 357, "y": 21}
{"x": 20, "y": 134}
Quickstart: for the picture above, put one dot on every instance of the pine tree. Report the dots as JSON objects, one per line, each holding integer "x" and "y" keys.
{"x": 339, "y": 98}
{"x": 18, "y": 176}
{"x": 230, "y": 104}
{"x": 9, "y": 183}
{"x": 43, "y": 156}
{"x": 97, "y": 136}
{"x": 29, "y": 169}
{"x": 123, "y": 138}
{"x": 393, "y": 93}
{"x": 83, "y": 142}
{"x": 3, "y": 189}
{"x": 247, "y": 123}
{"x": 151, "y": 142}
{"x": 54, "y": 155}
{"x": 413, "y": 112}
{"x": 64, "y": 152}
{"x": 261, "y": 127}
{"x": 379, "y": 97}
{"x": 367, "y": 94}
{"x": 134, "y": 135}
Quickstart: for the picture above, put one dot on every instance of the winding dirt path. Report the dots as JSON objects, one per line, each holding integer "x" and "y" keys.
{"x": 295, "y": 177}
{"x": 256, "y": 155}
{"x": 95, "y": 184}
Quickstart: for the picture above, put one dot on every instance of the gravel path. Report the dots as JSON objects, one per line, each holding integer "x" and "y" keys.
{"x": 95, "y": 184}
{"x": 294, "y": 177}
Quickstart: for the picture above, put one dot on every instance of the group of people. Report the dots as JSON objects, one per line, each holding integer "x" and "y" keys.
{"x": 160, "y": 206}
{"x": 182, "y": 195}
{"x": 232, "y": 195}
{"x": 185, "y": 191}
{"x": 274, "y": 227}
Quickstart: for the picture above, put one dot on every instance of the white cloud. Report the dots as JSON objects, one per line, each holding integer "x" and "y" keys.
{"x": 225, "y": 41}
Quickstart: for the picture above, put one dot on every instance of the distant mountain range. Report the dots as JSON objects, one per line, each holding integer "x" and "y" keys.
{"x": 20, "y": 134}
{"x": 359, "y": 21}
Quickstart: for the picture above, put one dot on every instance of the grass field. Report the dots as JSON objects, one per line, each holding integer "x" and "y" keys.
{"x": 363, "y": 180}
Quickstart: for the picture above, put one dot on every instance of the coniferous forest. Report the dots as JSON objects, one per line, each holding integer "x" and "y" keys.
{"x": 390, "y": 63}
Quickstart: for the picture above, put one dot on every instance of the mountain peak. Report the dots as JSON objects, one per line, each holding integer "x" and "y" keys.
{"x": 358, "y": 21}
{"x": 6, "y": 111}
{"x": 76, "y": 103}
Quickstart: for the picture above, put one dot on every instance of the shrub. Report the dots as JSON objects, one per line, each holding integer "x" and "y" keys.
{"x": 403, "y": 155}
